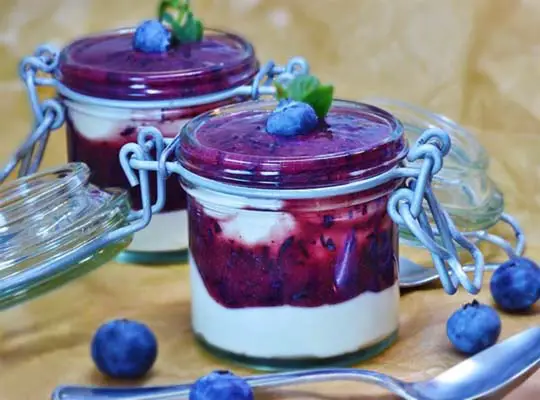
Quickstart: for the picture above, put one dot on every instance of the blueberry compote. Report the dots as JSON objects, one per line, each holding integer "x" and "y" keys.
{"x": 288, "y": 267}
{"x": 119, "y": 87}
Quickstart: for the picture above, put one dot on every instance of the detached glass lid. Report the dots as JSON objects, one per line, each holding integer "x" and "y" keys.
{"x": 462, "y": 186}
{"x": 46, "y": 219}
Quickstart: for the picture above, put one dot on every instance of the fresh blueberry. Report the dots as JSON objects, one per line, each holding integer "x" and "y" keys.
{"x": 474, "y": 327}
{"x": 124, "y": 349}
{"x": 515, "y": 285}
{"x": 151, "y": 37}
{"x": 291, "y": 118}
{"x": 219, "y": 385}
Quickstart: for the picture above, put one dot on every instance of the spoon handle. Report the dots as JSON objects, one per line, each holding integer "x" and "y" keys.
{"x": 268, "y": 380}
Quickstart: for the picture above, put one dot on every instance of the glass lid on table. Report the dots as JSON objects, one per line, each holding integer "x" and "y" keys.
{"x": 463, "y": 186}
{"x": 45, "y": 220}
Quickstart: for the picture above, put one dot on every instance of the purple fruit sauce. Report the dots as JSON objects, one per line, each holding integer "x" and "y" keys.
{"x": 337, "y": 248}
{"x": 106, "y": 66}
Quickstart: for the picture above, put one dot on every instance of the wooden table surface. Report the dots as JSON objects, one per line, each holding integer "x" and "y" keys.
{"x": 45, "y": 342}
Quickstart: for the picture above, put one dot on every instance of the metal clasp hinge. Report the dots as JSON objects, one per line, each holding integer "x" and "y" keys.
{"x": 407, "y": 206}
{"x": 48, "y": 115}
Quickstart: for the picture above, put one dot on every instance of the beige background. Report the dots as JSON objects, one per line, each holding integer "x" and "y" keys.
{"x": 477, "y": 61}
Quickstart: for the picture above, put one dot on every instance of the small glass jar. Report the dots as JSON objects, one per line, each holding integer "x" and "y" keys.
{"x": 281, "y": 281}
{"x": 46, "y": 220}
{"x": 110, "y": 91}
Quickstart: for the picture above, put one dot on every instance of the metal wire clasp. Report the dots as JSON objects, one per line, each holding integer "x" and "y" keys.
{"x": 407, "y": 206}
{"x": 35, "y": 71}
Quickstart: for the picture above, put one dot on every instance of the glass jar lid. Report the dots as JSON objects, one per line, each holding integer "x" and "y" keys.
{"x": 105, "y": 65}
{"x": 48, "y": 216}
{"x": 462, "y": 186}
{"x": 231, "y": 145}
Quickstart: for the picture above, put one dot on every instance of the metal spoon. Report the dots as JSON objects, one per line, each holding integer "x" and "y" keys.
{"x": 413, "y": 275}
{"x": 500, "y": 367}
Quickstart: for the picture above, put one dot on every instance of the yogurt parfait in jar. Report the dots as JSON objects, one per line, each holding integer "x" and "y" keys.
{"x": 288, "y": 267}
{"x": 159, "y": 74}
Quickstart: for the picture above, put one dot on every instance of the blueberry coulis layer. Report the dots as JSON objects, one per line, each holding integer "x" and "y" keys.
{"x": 328, "y": 257}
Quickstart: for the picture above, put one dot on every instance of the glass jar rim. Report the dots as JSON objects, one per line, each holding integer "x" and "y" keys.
{"x": 365, "y": 159}
{"x": 79, "y": 75}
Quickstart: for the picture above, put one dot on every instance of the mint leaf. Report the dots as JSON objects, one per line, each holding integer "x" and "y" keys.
{"x": 166, "y": 4}
{"x": 192, "y": 29}
{"x": 301, "y": 86}
{"x": 185, "y": 27}
{"x": 320, "y": 99}
{"x": 281, "y": 91}
{"x": 308, "y": 89}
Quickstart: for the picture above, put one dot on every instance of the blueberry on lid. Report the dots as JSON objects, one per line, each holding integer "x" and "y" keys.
{"x": 291, "y": 118}
{"x": 515, "y": 285}
{"x": 124, "y": 349}
{"x": 151, "y": 37}
{"x": 473, "y": 328}
{"x": 302, "y": 104}
{"x": 219, "y": 385}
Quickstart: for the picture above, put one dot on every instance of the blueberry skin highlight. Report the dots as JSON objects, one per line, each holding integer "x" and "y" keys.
{"x": 124, "y": 349}
{"x": 473, "y": 328}
{"x": 220, "y": 385}
{"x": 151, "y": 37}
{"x": 515, "y": 285}
{"x": 291, "y": 118}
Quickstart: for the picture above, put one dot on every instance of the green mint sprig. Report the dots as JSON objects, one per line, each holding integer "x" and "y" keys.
{"x": 307, "y": 89}
{"x": 185, "y": 27}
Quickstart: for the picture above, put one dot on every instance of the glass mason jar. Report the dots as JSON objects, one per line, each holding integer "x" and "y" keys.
{"x": 110, "y": 91}
{"x": 281, "y": 281}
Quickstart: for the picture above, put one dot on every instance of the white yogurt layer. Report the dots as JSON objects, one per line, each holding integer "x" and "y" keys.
{"x": 165, "y": 232}
{"x": 106, "y": 124}
{"x": 251, "y": 226}
{"x": 294, "y": 332}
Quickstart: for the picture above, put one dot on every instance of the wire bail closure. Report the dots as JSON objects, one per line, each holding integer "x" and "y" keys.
{"x": 48, "y": 115}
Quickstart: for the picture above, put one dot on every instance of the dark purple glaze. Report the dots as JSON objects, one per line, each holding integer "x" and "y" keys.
{"x": 107, "y": 66}
{"x": 314, "y": 265}
{"x": 355, "y": 141}
{"x": 338, "y": 247}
